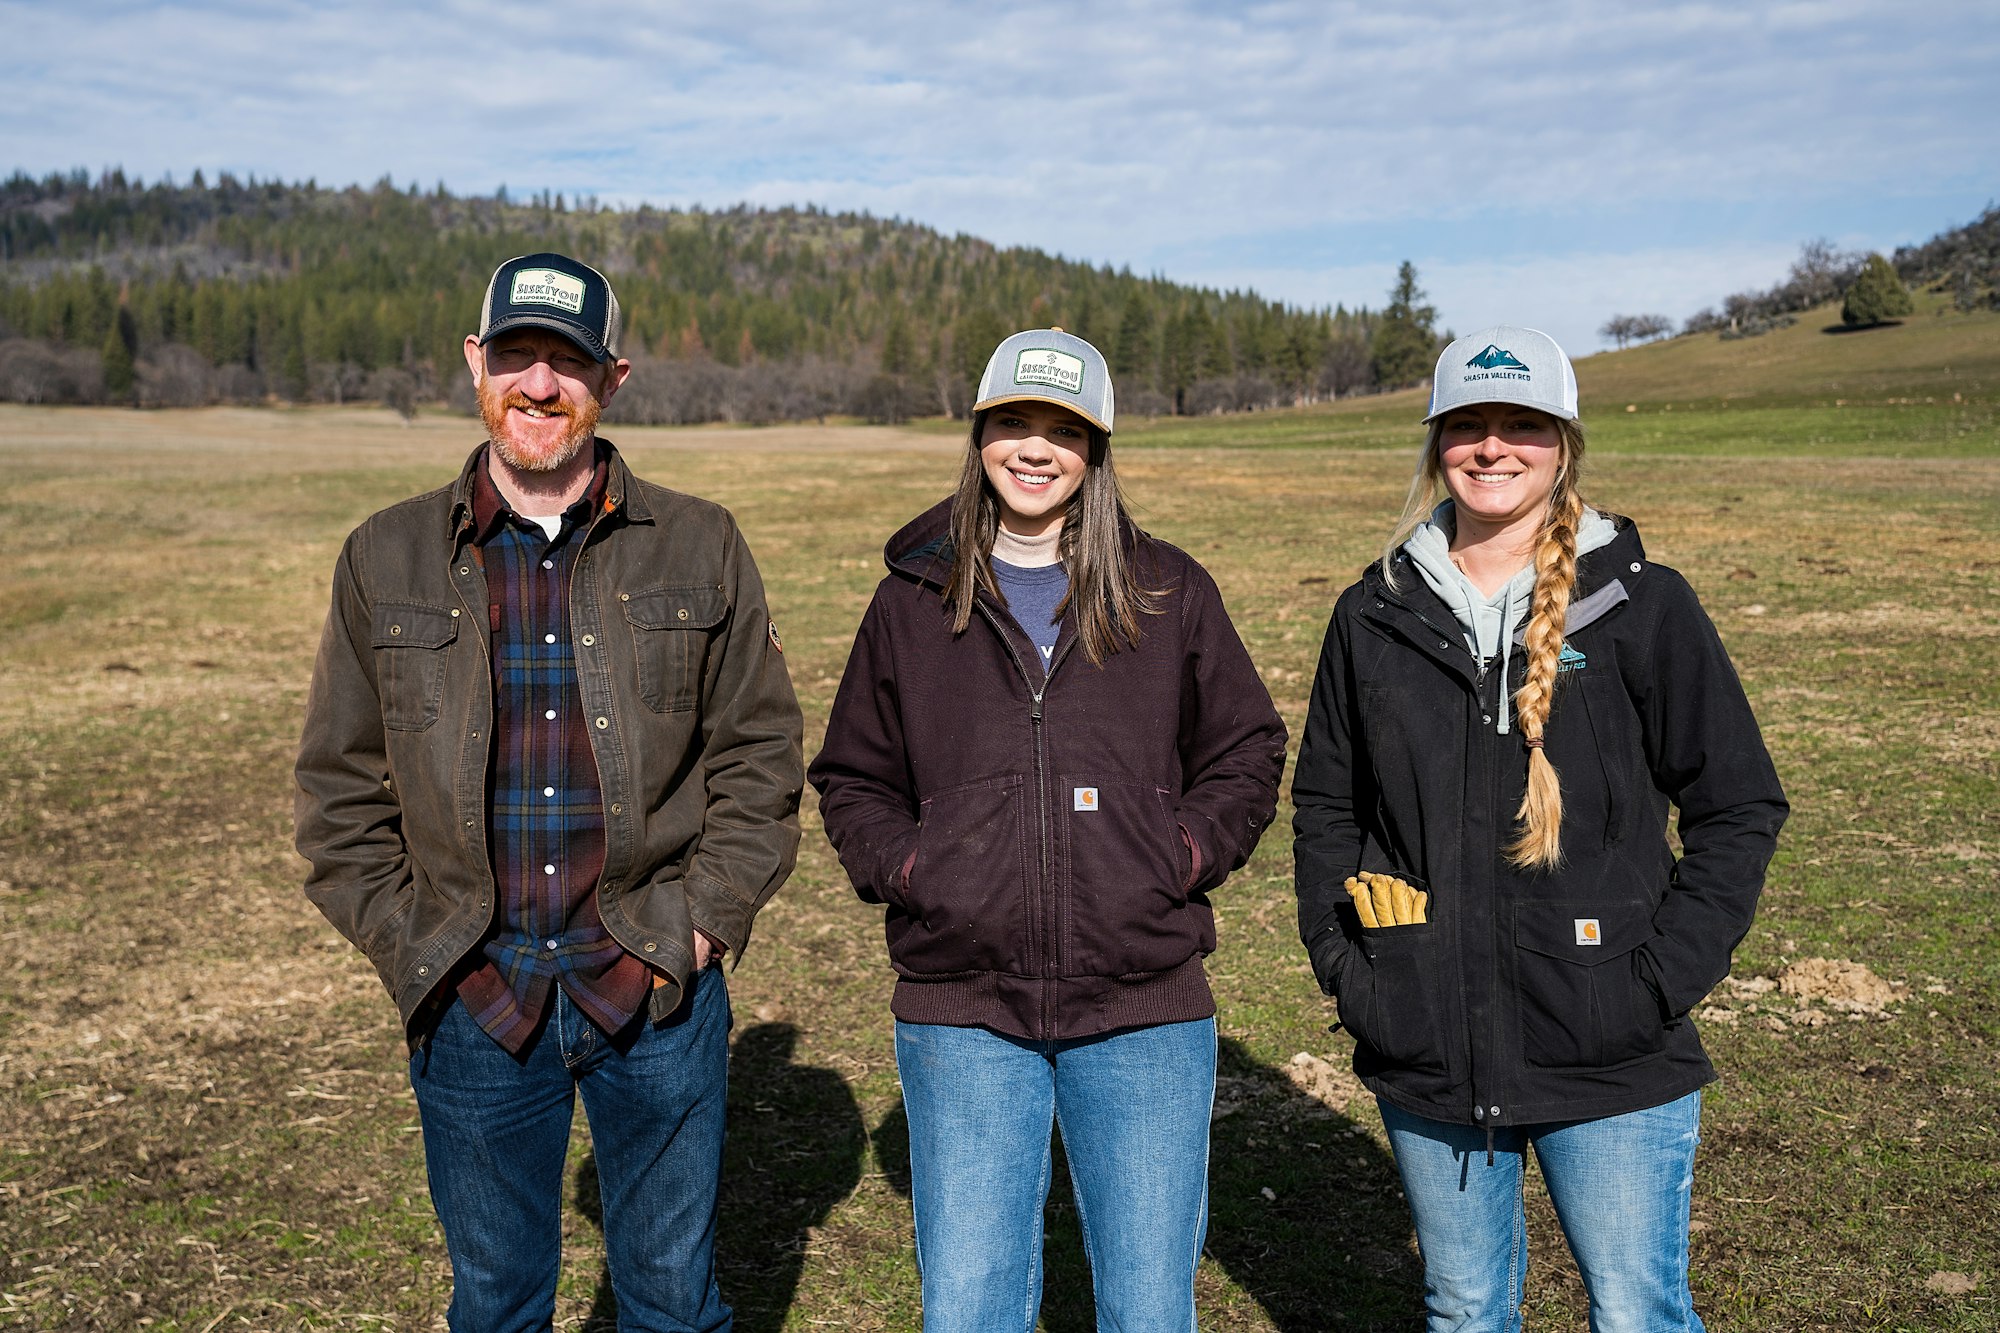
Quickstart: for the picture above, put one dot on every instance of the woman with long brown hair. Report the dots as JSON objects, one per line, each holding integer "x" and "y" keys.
{"x": 1047, "y": 748}
{"x": 1506, "y": 706}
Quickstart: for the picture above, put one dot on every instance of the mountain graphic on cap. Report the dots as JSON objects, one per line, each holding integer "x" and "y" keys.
{"x": 1494, "y": 358}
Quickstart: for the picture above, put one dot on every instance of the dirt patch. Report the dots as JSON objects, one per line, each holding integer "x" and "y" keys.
{"x": 1322, "y": 1080}
{"x": 1952, "y": 1284}
{"x": 1847, "y": 986}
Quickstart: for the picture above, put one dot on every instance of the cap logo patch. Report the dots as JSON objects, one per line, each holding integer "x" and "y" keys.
{"x": 546, "y": 286}
{"x": 1497, "y": 363}
{"x": 1085, "y": 798}
{"x": 1587, "y": 932}
{"x": 1056, "y": 370}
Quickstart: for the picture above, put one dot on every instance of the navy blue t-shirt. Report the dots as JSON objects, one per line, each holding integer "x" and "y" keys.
{"x": 1033, "y": 596}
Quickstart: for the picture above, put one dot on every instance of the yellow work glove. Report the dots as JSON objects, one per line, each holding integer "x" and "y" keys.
{"x": 1384, "y": 900}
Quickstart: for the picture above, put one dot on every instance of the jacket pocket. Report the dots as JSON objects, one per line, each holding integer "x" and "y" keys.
{"x": 1387, "y": 990}
{"x": 1582, "y": 1002}
{"x": 671, "y": 629}
{"x": 1126, "y": 912}
{"x": 964, "y": 907}
{"x": 411, "y": 643}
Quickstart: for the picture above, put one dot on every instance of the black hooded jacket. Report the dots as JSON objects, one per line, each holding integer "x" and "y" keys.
{"x": 1532, "y": 996}
{"x": 1046, "y": 843}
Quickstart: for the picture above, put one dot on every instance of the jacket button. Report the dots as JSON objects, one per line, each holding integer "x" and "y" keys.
{"x": 423, "y": 971}
{"x": 652, "y": 946}
{"x": 1380, "y": 603}
{"x": 1486, "y": 717}
{"x": 588, "y": 639}
{"x": 454, "y": 613}
{"x": 603, "y": 722}
{"x": 624, "y": 596}
{"x": 1444, "y": 643}
{"x": 1493, "y": 1110}
{"x": 395, "y": 629}
{"x": 681, "y": 614}
{"x": 617, "y": 807}
{"x": 1635, "y": 566}
{"x": 468, "y": 823}
{"x": 465, "y": 569}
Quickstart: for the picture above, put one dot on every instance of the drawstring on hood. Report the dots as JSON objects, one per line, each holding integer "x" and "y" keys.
{"x": 1492, "y": 624}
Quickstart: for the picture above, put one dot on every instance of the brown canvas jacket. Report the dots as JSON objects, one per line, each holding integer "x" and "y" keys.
{"x": 1046, "y": 844}
{"x": 695, "y": 729}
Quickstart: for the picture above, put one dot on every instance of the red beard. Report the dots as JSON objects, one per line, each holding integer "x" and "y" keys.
{"x": 529, "y": 455}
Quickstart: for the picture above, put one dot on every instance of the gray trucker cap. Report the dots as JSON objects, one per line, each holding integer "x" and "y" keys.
{"x": 1050, "y": 366}
{"x": 1504, "y": 364}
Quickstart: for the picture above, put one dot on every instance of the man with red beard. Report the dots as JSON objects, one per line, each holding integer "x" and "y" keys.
{"x": 550, "y": 771}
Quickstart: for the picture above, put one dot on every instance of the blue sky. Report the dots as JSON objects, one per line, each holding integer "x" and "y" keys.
{"x": 1547, "y": 164}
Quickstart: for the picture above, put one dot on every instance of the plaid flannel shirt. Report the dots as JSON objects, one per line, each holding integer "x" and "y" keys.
{"x": 544, "y": 813}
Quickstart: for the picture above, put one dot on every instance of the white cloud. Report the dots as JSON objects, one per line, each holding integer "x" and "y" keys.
{"x": 1127, "y": 132}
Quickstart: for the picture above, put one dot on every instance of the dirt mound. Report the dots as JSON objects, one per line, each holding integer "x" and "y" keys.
{"x": 1330, "y": 1083}
{"x": 1844, "y": 985}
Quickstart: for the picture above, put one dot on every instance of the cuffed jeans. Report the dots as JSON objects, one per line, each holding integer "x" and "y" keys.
{"x": 1621, "y": 1186}
{"x": 1133, "y": 1108}
{"x": 496, "y": 1131}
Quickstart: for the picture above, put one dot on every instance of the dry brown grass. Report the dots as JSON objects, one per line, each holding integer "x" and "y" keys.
{"x": 203, "y": 1117}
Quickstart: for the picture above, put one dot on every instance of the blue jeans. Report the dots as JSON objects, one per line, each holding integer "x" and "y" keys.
{"x": 496, "y": 1131}
{"x": 1133, "y": 1107}
{"x": 1621, "y": 1186}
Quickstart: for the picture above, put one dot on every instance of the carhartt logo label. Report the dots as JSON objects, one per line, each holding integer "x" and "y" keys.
{"x": 1057, "y": 370}
{"x": 1497, "y": 363}
{"x": 1570, "y": 660}
{"x": 1586, "y": 931}
{"x": 1085, "y": 799}
{"x": 545, "y": 286}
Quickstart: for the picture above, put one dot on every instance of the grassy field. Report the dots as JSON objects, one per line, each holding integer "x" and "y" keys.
{"x": 204, "y": 1122}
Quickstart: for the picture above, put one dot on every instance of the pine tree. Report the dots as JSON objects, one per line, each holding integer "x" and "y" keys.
{"x": 1405, "y": 342}
{"x": 1877, "y": 295}
{"x": 121, "y": 347}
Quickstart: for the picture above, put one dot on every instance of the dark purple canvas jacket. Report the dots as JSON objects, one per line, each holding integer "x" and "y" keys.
{"x": 1046, "y": 845}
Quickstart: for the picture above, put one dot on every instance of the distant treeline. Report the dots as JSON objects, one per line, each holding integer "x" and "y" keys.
{"x": 112, "y": 290}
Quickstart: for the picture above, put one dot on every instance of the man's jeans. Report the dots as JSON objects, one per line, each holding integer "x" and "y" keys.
{"x": 496, "y": 1130}
{"x": 1133, "y": 1108}
{"x": 1621, "y": 1186}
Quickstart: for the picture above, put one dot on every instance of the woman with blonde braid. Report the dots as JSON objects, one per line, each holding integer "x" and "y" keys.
{"x": 1506, "y": 706}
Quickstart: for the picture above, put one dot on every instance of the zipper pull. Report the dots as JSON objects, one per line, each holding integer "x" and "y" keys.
{"x": 1035, "y": 714}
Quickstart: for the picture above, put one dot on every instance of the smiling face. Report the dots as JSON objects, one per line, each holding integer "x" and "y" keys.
{"x": 540, "y": 395}
{"x": 1034, "y": 455}
{"x": 1500, "y": 463}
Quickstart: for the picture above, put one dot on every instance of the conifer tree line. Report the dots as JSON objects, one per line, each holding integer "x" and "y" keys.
{"x": 112, "y": 290}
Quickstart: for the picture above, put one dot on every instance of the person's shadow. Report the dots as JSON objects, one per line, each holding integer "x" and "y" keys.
{"x": 793, "y": 1151}
{"x": 1329, "y": 1246}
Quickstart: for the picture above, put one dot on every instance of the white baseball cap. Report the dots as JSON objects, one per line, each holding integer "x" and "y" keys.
{"x": 1504, "y": 364}
{"x": 1050, "y": 366}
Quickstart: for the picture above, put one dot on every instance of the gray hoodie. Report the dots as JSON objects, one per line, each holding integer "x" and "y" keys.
{"x": 1493, "y": 624}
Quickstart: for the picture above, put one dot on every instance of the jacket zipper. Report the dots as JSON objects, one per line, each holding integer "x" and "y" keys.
{"x": 1043, "y": 816}
{"x": 1485, "y": 1116}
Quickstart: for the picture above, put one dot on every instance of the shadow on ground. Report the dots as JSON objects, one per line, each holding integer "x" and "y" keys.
{"x": 794, "y": 1150}
{"x": 1329, "y": 1247}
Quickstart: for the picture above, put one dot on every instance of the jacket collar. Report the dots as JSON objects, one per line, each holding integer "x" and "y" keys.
{"x": 620, "y": 495}
{"x": 1604, "y": 580}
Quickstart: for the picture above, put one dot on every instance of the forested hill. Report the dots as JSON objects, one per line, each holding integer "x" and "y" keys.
{"x": 113, "y": 290}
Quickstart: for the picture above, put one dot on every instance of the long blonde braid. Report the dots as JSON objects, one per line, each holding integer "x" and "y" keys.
{"x": 1538, "y": 846}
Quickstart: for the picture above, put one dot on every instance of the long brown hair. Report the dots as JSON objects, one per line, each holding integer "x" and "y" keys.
{"x": 1538, "y": 844}
{"x": 1103, "y": 586}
